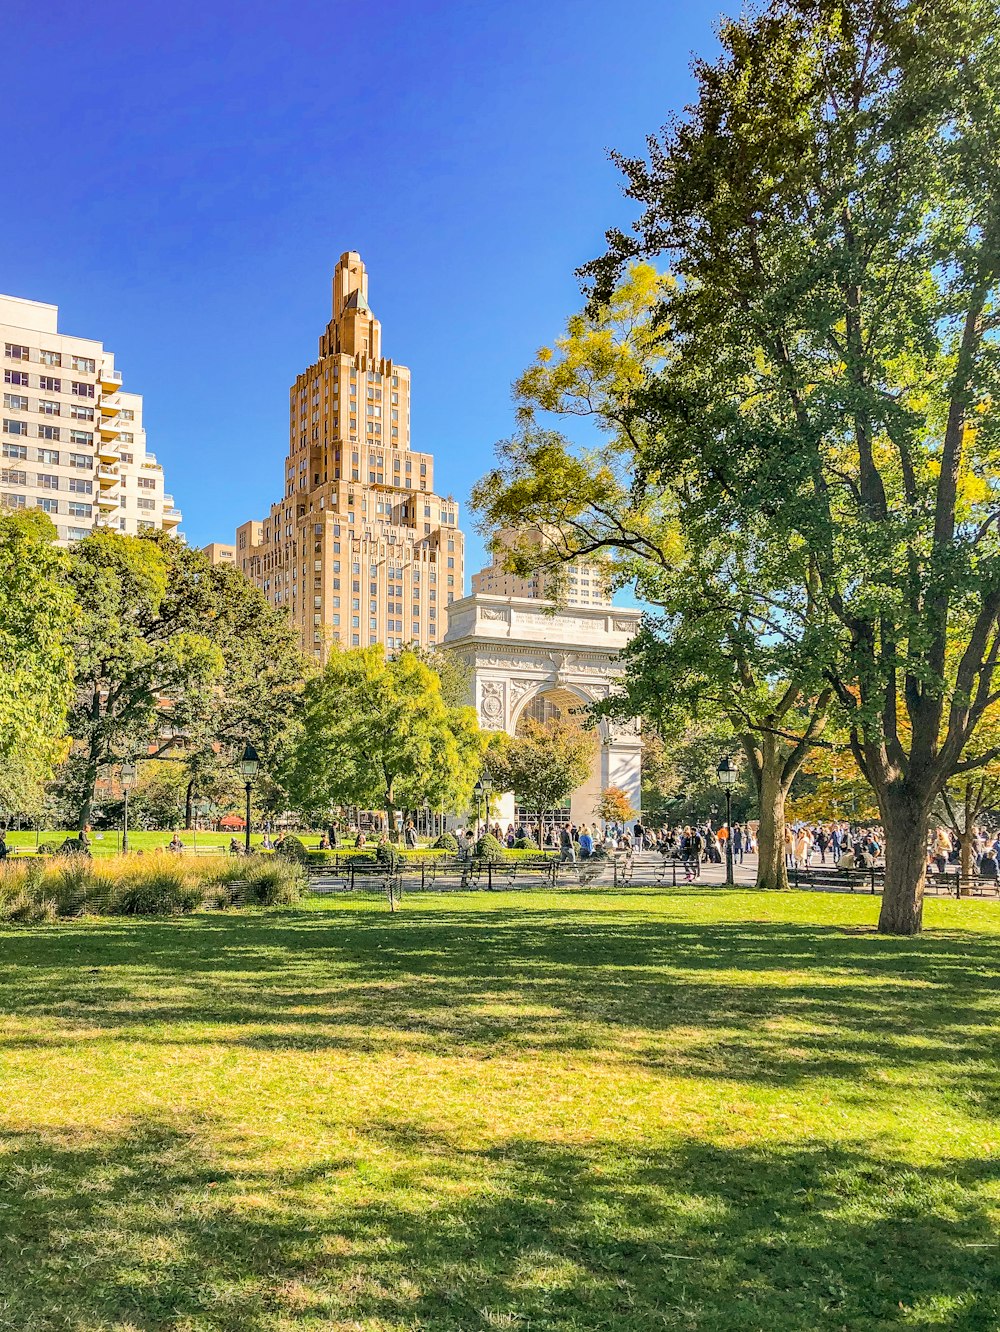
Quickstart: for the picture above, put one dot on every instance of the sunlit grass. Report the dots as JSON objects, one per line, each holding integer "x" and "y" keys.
{"x": 700, "y": 1110}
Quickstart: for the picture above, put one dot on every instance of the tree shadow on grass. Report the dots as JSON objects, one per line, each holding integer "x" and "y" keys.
{"x": 172, "y": 1229}
{"x": 754, "y": 1001}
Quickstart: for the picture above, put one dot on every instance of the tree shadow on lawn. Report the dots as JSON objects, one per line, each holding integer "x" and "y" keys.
{"x": 774, "y": 1003}
{"x": 168, "y": 1228}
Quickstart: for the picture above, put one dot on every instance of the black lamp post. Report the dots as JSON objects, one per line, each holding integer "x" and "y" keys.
{"x": 128, "y": 776}
{"x": 249, "y": 764}
{"x": 482, "y": 790}
{"x": 728, "y": 775}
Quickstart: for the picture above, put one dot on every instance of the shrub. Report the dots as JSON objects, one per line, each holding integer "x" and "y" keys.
{"x": 48, "y": 849}
{"x": 388, "y": 857}
{"x": 447, "y": 842}
{"x": 73, "y": 846}
{"x": 293, "y": 848}
{"x": 525, "y": 844}
{"x": 489, "y": 850}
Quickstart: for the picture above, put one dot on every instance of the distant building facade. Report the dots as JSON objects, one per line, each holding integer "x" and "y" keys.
{"x": 360, "y": 549}
{"x": 72, "y": 440}
{"x": 219, "y": 553}
{"x": 583, "y": 582}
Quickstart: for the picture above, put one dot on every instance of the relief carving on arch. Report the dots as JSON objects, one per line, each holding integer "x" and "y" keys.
{"x": 491, "y": 705}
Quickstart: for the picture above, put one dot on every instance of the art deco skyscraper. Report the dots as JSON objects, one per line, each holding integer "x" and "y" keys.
{"x": 360, "y": 549}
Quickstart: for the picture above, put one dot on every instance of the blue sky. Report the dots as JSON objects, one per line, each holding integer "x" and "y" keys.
{"x": 182, "y": 178}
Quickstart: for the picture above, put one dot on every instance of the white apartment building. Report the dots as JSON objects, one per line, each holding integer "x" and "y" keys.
{"x": 71, "y": 441}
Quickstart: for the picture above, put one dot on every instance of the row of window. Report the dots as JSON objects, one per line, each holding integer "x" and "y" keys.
{"x": 74, "y": 508}
{"x": 14, "y": 351}
{"x": 15, "y": 476}
{"x": 53, "y": 457}
{"x": 49, "y": 432}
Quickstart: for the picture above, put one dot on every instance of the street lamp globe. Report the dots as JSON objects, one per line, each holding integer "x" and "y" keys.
{"x": 249, "y": 763}
{"x": 727, "y": 773}
{"x": 129, "y": 773}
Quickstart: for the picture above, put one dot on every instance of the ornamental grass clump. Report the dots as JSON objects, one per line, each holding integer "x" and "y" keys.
{"x": 273, "y": 882}
{"x": 157, "y": 887}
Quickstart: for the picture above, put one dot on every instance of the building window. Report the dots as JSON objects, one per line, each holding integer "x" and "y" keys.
{"x": 146, "y": 483}
{"x": 15, "y": 352}
{"x": 81, "y": 460}
{"x": 47, "y": 481}
{"x": 16, "y": 451}
{"x": 81, "y": 437}
{"x": 77, "y": 509}
{"x": 15, "y": 501}
{"x": 84, "y": 363}
{"x": 49, "y": 358}
{"x": 48, "y": 505}
{"x": 80, "y": 487}
{"x": 80, "y": 413}
{"x": 48, "y": 432}
{"x": 48, "y": 407}
{"x": 13, "y": 476}
{"x": 49, "y": 384}
{"x": 145, "y": 503}
{"x": 82, "y": 390}
{"x": 50, "y": 456}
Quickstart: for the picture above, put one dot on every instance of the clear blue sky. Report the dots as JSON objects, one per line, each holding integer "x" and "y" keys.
{"x": 182, "y": 178}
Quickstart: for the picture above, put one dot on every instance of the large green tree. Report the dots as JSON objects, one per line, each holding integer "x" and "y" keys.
{"x": 378, "y": 733}
{"x": 173, "y": 657}
{"x": 831, "y": 208}
{"x": 740, "y": 619}
{"x": 36, "y": 614}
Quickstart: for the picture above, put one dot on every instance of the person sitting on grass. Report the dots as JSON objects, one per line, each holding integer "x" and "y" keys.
{"x": 175, "y": 843}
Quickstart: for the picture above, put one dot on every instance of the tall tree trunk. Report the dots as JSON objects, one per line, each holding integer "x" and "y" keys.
{"x": 189, "y": 805}
{"x": 772, "y": 872}
{"x": 87, "y": 796}
{"x": 904, "y": 821}
{"x": 965, "y": 850}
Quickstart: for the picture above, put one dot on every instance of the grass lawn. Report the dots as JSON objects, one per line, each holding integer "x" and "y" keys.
{"x": 108, "y": 842}
{"x": 706, "y": 1110}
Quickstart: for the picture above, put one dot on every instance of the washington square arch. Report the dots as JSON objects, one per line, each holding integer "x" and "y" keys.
{"x": 528, "y": 661}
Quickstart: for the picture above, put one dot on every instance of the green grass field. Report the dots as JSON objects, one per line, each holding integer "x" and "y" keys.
{"x": 714, "y": 1111}
{"x": 107, "y": 843}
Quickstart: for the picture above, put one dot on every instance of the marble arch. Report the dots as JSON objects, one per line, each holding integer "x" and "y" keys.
{"x": 519, "y": 650}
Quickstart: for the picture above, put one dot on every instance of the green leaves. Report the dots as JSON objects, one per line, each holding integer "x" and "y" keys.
{"x": 36, "y": 614}
{"x": 379, "y": 732}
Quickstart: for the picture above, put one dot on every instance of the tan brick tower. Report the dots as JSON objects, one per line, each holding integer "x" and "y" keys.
{"x": 360, "y": 549}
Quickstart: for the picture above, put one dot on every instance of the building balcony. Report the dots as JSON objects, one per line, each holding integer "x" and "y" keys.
{"x": 171, "y": 516}
{"x": 110, "y": 406}
{"x": 110, "y": 428}
{"x": 110, "y": 380}
{"x": 106, "y": 502}
{"x": 107, "y": 476}
{"x": 107, "y": 451}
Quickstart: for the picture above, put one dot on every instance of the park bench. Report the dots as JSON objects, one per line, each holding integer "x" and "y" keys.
{"x": 833, "y": 879}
